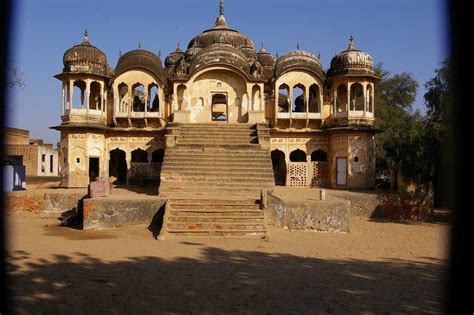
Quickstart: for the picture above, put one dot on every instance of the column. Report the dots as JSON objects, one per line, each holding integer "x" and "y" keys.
{"x": 87, "y": 95}
{"x": 63, "y": 103}
{"x": 372, "y": 91}
{"x": 365, "y": 97}
{"x": 262, "y": 97}
{"x": 175, "y": 97}
{"x": 334, "y": 92}
{"x": 306, "y": 97}
{"x": 290, "y": 100}
{"x": 348, "y": 98}
{"x": 71, "y": 91}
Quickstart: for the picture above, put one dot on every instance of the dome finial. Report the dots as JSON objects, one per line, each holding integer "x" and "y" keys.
{"x": 277, "y": 54}
{"x": 319, "y": 55}
{"x": 261, "y": 45}
{"x": 351, "y": 43}
{"x": 139, "y": 44}
{"x": 85, "y": 40}
{"x": 221, "y": 8}
{"x": 120, "y": 53}
{"x": 298, "y": 45}
{"x": 159, "y": 53}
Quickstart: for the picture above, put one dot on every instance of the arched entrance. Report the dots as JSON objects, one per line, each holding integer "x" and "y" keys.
{"x": 279, "y": 167}
{"x": 219, "y": 109}
{"x": 118, "y": 166}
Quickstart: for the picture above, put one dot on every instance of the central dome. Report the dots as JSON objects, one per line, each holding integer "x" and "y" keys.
{"x": 221, "y": 33}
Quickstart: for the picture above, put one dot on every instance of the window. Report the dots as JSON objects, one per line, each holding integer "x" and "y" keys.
{"x": 43, "y": 157}
{"x": 51, "y": 163}
{"x": 78, "y": 160}
{"x": 356, "y": 159}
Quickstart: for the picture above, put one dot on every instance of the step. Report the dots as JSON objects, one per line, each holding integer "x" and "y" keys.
{"x": 216, "y": 219}
{"x": 215, "y": 213}
{"x": 209, "y": 166}
{"x": 210, "y": 226}
{"x": 218, "y": 173}
{"x": 214, "y": 199}
{"x": 212, "y": 233}
{"x": 214, "y": 206}
{"x": 243, "y": 181}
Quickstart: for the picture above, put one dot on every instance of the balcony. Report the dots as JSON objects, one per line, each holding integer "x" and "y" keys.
{"x": 83, "y": 114}
{"x": 293, "y": 115}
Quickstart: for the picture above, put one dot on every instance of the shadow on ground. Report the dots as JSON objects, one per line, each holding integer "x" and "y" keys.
{"x": 223, "y": 282}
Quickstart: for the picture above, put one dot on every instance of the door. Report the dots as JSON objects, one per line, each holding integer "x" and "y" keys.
{"x": 341, "y": 170}
{"x": 93, "y": 168}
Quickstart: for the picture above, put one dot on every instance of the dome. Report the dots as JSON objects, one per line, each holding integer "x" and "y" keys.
{"x": 139, "y": 58}
{"x": 221, "y": 33}
{"x": 220, "y": 54}
{"x": 299, "y": 59}
{"x": 85, "y": 58}
{"x": 351, "y": 61}
{"x": 265, "y": 58}
{"x": 174, "y": 57}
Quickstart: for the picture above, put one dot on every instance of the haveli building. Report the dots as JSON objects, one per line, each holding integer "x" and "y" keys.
{"x": 316, "y": 126}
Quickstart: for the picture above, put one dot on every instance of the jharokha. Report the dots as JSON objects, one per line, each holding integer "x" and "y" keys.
{"x": 218, "y": 115}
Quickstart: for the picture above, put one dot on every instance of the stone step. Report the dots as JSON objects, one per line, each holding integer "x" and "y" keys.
{"x": 209, "y": 156}
{"x": 214, "y": 206}
{"x": 216, "y": 219}
{"x": 214, "y": 126}
{"x": 225, "y": 146}
{"x": 217, "y": 172}
{"x": 217, "y": 179}
{"x": 215, "y": 213}
{"x": 199, "y": 190}
{"x": 212, "y": 233}
{"x": 212, "y": 142}
{"x": 187, "y": 131}
{"x": 229, "y": 136}
{"x": 214, "y": 199}
{"x": 214, "y": 166}
{"x": 210, "y": 226}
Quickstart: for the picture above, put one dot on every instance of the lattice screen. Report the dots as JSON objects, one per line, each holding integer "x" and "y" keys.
{"x": 298, "y": 174}
{"x": 319, "y": 174}
{"x": 155, "y": 170}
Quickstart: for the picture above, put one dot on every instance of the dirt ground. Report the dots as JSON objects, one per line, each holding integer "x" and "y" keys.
{"x": 377, "y": 267}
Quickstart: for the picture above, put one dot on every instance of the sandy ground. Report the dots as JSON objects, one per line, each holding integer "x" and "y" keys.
{"x": 376, "y": 267}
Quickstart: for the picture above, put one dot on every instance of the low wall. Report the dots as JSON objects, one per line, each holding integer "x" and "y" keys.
{"x": 103, "y": 213}
{"x": 47, "y": 204}
{"x": 309, "y": 215}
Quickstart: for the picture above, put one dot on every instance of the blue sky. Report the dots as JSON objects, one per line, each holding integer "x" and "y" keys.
{"x": 405, "y": 35}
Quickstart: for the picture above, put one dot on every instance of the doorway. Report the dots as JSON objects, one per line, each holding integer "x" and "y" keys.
{"x": 341, "y": 170}
{"x": 118, "y": 166}
{"x": 219, "y": 108}
{"x": 93, "y": 168}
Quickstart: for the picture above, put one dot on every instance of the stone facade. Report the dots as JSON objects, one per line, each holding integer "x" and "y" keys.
{"x": 319, "y": 125}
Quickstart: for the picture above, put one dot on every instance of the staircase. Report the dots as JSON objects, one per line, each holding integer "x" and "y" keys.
{"x": 213, "y": 179}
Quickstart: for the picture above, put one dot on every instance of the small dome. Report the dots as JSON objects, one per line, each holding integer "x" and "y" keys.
{"x": 265, "y": 58}
{"x": 139, "y": 58}
{"x": 85, "y": 58}
{"x": 299, "y": 59}
{"x": 220, "y": 54}
{"x": 174, "y": 57}
{"x": 351, "y": 61}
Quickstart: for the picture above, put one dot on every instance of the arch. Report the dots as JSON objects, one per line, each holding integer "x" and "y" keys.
{"x": 279, "y": 167}
{"x": 95, "y": 96}
{"x": 118, "y": 166}
{"x": 78, "y": 94}
{"x": 181, "y": 91}
{"x": 370, "y": 99}
{"x": 124, "y": 97}
{"x": 139, "y": 97}
{"x": 314, "y": 105}
{"x": 298, "y": 156}
{"x": 139, "y": 156}
{"x": 299, "y": 99}
{"x": 283, "y": 98}
{"x": 319, "y": 156}
{"x": 256, "y": 96}
{"x": 153, "y": 101}
{"x": 158, "y": 156}
{"x": 341, "y": 98}
{"x": 219, "y": 107}
{"x": 357, "y": 97}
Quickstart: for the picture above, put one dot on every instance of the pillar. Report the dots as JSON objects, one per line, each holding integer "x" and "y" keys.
{"x": 348, "y": 97}
{"x": 71, "y": 91}
{"x": 63, "y": 103}
{"x": 87, "y": 95}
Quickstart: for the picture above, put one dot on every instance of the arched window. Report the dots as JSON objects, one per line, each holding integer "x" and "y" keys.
{"x": 357, "y": 97}
{"x": 370, "y": 99}
{"x": 138, "y": 97}
{"x": 153, "y": 101}
{"x": 283, "y": 98}
{"x": 95, "y": 96}
{"x": 79, "y": 94}
{"x": 299, "y": 99}
{"x": 181, "y": 95}
{"x": 319, "y": 156}
{"x": 341, "y": 98}
{"x": 124, "y": 98}
{"x": 256, "y": 97}
{"x": 140, "y": 156}
{"x": 314, "y": 106}
{"x": 298, "y": 156}
{"x": 118, "y": 166}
